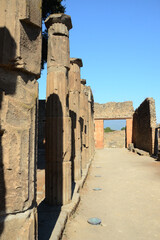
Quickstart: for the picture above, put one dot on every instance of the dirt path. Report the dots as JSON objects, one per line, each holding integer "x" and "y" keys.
{"x": 128, "y": 204}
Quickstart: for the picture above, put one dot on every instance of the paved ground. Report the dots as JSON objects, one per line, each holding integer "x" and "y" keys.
{"x": 128, "y": 204}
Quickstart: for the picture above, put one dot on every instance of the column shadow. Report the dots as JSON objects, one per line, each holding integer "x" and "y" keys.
{"x": 73, "y": 117}
{"x": 50, "y": 208}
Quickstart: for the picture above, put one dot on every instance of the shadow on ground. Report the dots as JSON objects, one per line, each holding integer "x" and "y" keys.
{"x": 47, "y": 218}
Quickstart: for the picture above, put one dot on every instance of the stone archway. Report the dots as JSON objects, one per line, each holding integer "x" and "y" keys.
{"x": 112, "y": 111}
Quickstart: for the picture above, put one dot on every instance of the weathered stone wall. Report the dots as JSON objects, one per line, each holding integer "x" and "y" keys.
{"x": 20, "y": 61}
{"x": 144, "y": 124}
{"x": 114, "y": 110}
{"x": 115, "y": 139}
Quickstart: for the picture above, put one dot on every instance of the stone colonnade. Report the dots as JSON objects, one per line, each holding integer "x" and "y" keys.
{"x": 20, "y": 63}
{"x": 69, "y": 115}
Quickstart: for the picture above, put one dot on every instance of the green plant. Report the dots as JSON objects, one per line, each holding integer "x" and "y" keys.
{"x": 108, "y": 129}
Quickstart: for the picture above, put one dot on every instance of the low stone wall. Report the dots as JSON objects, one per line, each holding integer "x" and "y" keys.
{"x": 144, "y": 124}
{"x": 115, "y": 139}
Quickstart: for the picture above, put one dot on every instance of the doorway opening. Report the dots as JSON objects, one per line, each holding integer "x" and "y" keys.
{"x": 115, "y": 133}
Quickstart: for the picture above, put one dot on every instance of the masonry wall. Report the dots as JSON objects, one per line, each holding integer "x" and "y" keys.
{"x": 144, "y": 124}
{"x": 114, "y": 110}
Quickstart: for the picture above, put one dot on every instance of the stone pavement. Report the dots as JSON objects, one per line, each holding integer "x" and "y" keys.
{"x": 128, "y": 204}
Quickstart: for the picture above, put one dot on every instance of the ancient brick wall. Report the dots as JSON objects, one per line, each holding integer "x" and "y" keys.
{"x": 144, "y": 124}
{"x": 113, "y": 110}
{"x": 99, "y": 134}
{"x": 20, "y": 63}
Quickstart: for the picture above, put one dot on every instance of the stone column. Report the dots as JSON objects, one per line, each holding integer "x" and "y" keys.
{"x": 20, "y": 64}
{"x": 99, "y": 133}
{"x": 74, "y": 106}
{"x": 83, "y": 122}
{"x": 58, "y": 123}
{"x": 129, "y": 126}
{"x": 86, "y": 93}
{"x": 90, "y": 124}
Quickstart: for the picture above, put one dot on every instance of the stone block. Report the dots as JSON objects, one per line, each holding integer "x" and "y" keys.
{"x": 20, "y": 226}
{"x": 67, "y": 188}
{"x": 59, "y": 46}
{"x": 30, "y": 42}
{"x": 114, "y": 110}
{"x": 18, "y": 117}
{"x": 20, "y": 35}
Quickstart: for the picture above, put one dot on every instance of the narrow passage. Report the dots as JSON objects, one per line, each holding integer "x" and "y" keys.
{"x": 128, "y": 204}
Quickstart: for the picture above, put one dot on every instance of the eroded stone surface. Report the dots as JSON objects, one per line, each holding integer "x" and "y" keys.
{"x": 114, "y": 110}
{"x": 58, "y": 122}
{"x": 20, "y": 63}
{"x": 144, "y": 124}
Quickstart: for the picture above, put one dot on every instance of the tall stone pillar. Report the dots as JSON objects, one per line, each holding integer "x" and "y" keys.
{"x": 129, "y": 126}
{"x": 58, "y": 123}
{"x": 86, "y": 93}
{"x": 83, "y": 117}
{"x": 90, "y": 123}
{"x": 20, "y": 63}
{"x": 99, "y": 133}
{"x": 74, "y": 106}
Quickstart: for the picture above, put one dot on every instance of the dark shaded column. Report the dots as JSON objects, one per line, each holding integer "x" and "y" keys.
{"x": 74, "y": 106}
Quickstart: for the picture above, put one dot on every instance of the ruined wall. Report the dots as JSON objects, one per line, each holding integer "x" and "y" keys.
{"x": 115, "y": 139}
{"x": 114, "y": 110}
{"x": 20, "y": 61}
{"x": 144, "y": 124}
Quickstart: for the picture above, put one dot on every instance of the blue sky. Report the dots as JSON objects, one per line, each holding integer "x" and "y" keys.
{"x": 119, "y": 43}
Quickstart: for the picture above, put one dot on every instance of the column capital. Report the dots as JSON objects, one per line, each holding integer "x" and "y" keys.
{"x": 59, "y": 18}
{"x": 77, "y": 61}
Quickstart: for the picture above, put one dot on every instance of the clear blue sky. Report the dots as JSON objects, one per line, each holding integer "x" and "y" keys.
{"x": 119, "y": 43}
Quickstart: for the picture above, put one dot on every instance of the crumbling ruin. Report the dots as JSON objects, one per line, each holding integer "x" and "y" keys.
{"x": 141, "y": 129}
{"x": 20, "y": 64}
{"x": 69, "y": 120}
{"x": 112, "y": 110}
{"x": 66, "y": 119}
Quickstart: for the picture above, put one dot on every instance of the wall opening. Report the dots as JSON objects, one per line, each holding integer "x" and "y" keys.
{"x": 115, "y": 133}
